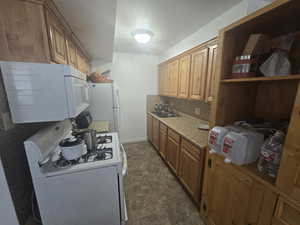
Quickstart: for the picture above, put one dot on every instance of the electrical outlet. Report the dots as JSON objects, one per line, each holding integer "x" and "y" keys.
{"x": 7, "y": 121}
{"x": 197, "y": 111}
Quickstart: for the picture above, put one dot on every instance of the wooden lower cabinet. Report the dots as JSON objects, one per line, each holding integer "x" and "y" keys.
{"x": 155, "y": 133}
{"x": 173, "y": 150}
{"x": 163, "y": 136}
{"x": 232, "y": 197}
{"x": 286, "y": 213}
{"x": 149, "y": 128}
{"x": 191, "y": 169}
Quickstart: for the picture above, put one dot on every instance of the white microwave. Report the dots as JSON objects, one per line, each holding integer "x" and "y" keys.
{"x": 40, "y": 92}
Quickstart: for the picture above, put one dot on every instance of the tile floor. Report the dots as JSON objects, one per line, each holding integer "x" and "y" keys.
{"x": 154, "y": 196}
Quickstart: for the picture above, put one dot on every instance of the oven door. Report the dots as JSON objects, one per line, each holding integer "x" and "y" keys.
{"x": 123, "y": 174}
{"x": 77, "y": 94}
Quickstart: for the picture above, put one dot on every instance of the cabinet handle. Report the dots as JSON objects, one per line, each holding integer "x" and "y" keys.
{"x": 209, "y": 163}
{"x": 204, "y": 207}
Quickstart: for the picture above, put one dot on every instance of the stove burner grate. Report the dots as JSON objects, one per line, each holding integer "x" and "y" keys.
{"x": 104, "y": 139}
{"x": 102, "y": 153}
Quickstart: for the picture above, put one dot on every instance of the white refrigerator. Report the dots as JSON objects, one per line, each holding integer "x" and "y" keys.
{"x": 105, "y": 104}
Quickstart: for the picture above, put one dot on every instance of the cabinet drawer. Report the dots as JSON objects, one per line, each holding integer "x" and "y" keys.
{"x": 286, "y": 213}
{"x": 174, "y": 135}
{"x": 163, "y": 128}
{"x": 192, "y": 149}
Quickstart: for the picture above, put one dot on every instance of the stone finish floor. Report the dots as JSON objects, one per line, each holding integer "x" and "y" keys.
{"x": 153, "y": 194}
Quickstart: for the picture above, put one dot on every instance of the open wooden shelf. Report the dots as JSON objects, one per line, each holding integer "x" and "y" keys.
{"x": 261, "y": 79}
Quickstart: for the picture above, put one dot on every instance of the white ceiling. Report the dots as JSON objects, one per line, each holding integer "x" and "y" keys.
{"x": 170, "y": 21}
{"x": 104, "y": 26}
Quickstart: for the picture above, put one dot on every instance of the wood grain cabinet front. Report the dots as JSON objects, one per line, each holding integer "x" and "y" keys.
{"x": 286, "y": 213}
{"x": 149, "y": 129}
{"x": 72, "y": 53}
{"x": 211, "y": 72}
{"x": 173, "y": 78}
{"x": 173, "y": 150}
{"x": 191, "y": 168}
{"x": 163, "y": 140}
{"x": 58, "y": 44}
{"x": 184, "y": 76}
{"x": 155, "y": 133}
{"x": 198, "y": 74}
{"x": 232, "y": 197}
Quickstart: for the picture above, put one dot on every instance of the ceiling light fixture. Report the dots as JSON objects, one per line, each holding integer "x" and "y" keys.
{"x": 143, "y": 36}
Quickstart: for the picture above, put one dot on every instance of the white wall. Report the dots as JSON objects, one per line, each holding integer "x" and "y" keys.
{"x": 208, "y": 31}
{"x": 211, "y": 29}
{"x": 135, "y": 74}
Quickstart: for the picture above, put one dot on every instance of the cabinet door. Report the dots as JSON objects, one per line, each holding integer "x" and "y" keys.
{"x": 163, "y": 144}
{"x": 184, "y": 76}
{"x": 72, "y": 55}
{"x": 80, "y": 60}
{"x": 231, "y": 197}
{"x": 149, "y": 129}
{"x": 286, "y": 213}
{"x": 57, "y": 36}
{"x": 155, "y": 133}
{"x": 172, "y": 154}
{"x": 86, "y": 67}
{"x": 198, "y": 74}
{"x": 23, "y": 34}
{"x": 288, "y": 179}
{"x": 190, "y": 173}
{"x": 173, "y": 78}
{"x": 210, "y": 81}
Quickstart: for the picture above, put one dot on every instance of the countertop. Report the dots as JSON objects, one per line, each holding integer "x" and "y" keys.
{"x": 100, "y": 126}
{"x": 186, "y": 126}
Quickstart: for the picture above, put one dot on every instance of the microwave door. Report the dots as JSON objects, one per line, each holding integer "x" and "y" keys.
{"x": 77, "y": 95}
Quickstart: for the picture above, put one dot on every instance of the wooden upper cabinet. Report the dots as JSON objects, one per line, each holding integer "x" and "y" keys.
{"x": 23, "y": 34}
{"x": 198, "y": 74}
{"x": 72, "y": 53}
{"x": 81, "y": 61}
{"x": 184, "y": 76}
{"x": 173, "y": 78}
{"x": 58, "y": 44}
{"x": 211, "y": 72}
{"x": 166, "y": 80}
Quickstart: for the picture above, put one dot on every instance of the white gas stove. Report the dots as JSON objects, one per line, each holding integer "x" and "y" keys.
{"x": 91, "y": 185}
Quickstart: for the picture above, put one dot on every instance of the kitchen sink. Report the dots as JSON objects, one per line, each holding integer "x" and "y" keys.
{"x": 164, "y": 114}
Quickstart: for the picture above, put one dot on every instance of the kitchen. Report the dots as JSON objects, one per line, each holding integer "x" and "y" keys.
{"x": 127, "y": 112}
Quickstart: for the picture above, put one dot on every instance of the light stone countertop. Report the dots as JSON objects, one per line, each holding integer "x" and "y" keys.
{"x": 100, "y": 126}
{"x": 187, "y": 127}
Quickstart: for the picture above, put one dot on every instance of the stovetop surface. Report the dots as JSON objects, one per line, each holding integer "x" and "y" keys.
{"x": 106, "y": 153}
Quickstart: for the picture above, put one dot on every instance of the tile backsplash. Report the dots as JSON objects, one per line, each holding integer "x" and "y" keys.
{"x": 193, "y": 108}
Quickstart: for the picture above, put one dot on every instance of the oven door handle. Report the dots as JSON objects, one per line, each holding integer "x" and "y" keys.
{"x": 125, "y": 166}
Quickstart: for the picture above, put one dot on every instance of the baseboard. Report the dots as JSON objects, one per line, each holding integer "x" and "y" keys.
{"x": 134, "y": 140}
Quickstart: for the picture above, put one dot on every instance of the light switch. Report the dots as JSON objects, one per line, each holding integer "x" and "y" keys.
{"x": 197, "y": 111}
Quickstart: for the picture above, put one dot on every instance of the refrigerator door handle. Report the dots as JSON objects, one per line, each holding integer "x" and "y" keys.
{"x": 125, "y": 165}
